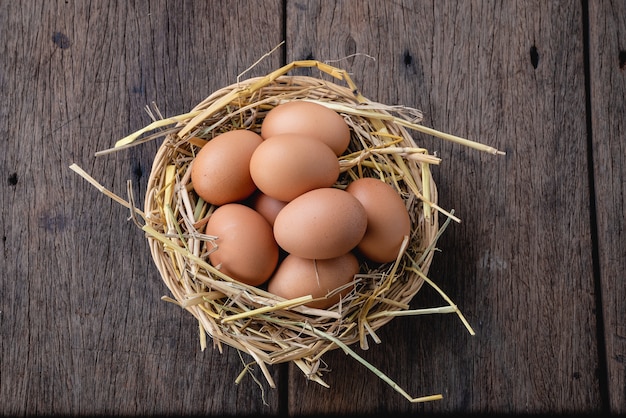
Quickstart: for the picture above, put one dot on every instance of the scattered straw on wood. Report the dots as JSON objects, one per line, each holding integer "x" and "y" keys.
{"x": 269, "y": 329}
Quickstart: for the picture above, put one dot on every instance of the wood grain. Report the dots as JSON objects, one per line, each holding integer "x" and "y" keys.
{"x": 468, "y": 66}
{"x": 607, "y": 26}
{"x": 83, "y": 329}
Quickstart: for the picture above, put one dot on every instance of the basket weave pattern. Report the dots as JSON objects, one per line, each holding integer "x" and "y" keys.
{"x": 246, "y": 317}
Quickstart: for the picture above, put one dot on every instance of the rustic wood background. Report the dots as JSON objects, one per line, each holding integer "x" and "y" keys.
{"x": 537, "y": 264}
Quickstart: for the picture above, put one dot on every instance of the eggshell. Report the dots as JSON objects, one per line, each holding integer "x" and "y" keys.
{"x": 246, "y": 249}
{"x": 322, "y": 223}
{"x": 309, "y": 119}
{"x": 267, "y": 206}
{"x": 221, "y": 170}
{"x": 297, "y": 277}
{"x": 288, "y": 165}
{"x": 387, "y": 219}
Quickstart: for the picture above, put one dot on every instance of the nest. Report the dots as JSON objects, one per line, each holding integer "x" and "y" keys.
{"x": 269, "y": 329}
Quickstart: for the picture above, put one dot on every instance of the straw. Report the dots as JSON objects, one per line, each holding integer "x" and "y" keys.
{"x": 269, "y": 329}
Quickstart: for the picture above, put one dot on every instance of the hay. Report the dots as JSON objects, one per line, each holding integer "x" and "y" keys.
{"x": 269, "y": 329}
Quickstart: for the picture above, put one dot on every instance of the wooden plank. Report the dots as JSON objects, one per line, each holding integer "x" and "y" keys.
{"x": 511, "y": 75}
{"x": 82, "y": 326}
{"x": 607, "y": 26}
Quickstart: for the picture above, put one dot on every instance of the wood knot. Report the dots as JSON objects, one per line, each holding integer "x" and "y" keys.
{"x": 534, "y": 56}
{"x": 61, "y": 40}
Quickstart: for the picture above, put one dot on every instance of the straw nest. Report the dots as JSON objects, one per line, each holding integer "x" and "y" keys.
{"x": 270, "y": 329}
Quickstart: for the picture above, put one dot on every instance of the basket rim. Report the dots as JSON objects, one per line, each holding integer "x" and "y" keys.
{"x": 161, "y": 157}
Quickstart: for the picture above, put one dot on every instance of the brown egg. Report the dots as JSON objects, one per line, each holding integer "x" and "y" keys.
{"x": 288, "y": 165}
{"x": 308, "y": 119}
{"x": 221, "y": 170}
{"x": 387, "y": 219}
{"x": 267, "y": 206}
{"x": 246, "y": 249}
{"x": 322, "y": 223}
{"x": 297, "y": 277}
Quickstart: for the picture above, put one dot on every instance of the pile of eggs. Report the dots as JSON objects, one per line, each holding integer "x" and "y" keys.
{"x": 280, "y": 219}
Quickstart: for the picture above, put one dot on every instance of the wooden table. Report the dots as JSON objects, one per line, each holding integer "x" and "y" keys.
{"x": 536, "y": 265}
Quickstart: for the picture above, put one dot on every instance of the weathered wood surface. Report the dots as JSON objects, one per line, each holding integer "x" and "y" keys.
{"x": 541, "y": 243}
{"x": 468, "y": 66}
{"x": 83, "y": 327}
{"x": 607, "y": 54}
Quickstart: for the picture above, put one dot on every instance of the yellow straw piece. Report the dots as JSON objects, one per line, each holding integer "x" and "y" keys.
{"x": 281, "y": 305}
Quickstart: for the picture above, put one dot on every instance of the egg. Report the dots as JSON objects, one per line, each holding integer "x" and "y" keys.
{"x": 267, "y": 206}
{"x": 309, "y": 119}
{"x": 322, "y": 223}
{"x": 297, "y": 277}
{"x": 288, "y": 165}
{"x": 220, "y": 172}
{"x": 388, "y": 220}
{"x": 246, "y": 249}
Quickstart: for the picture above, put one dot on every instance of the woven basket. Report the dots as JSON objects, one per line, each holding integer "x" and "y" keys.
{"x": 270, "y": 329}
